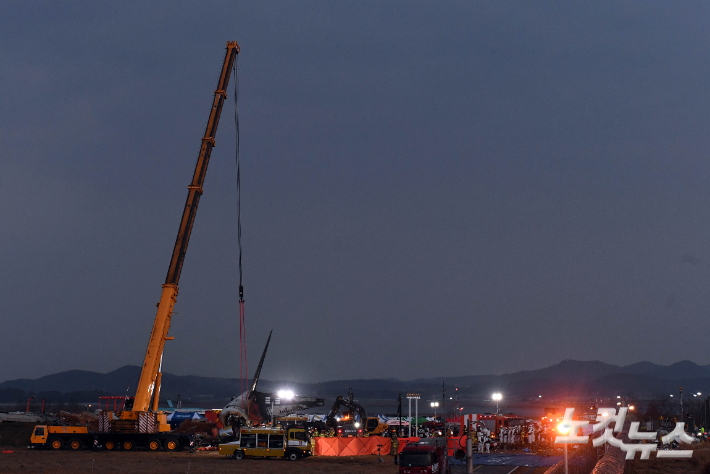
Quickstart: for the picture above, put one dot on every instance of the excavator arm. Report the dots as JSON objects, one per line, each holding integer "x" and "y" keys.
{"x": 350, "y": 407}
{"x": 149, "y": 382}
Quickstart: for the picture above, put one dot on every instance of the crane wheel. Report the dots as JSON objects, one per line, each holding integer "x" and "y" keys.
{"x": 238, "y": 454}
{"x": 154, "y": 445}
{"x": 56, "y": 443}
{"x": 110, "y": 445}
{"x": 292, "y": 456}
{"x": 74, "y": 444}
{"x": 127, "y": 445}
{"x": 172, "y": 445}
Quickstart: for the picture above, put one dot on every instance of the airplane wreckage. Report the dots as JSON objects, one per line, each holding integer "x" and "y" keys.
{"x": 253, "y": 407}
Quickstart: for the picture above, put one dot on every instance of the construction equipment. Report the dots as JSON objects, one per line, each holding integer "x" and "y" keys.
{"x": 347, "y": 423}
{"x": 140, "y": 423}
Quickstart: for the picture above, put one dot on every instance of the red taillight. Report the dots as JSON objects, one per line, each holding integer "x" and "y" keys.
{"x": 359, "y": 431}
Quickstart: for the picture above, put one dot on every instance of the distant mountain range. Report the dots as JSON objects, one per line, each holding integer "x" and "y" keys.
{"x": 569, "y": 378}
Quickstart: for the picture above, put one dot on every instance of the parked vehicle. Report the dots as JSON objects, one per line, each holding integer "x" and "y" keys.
{"x": 425, "y": 457}
{"x": 290, "y": 443}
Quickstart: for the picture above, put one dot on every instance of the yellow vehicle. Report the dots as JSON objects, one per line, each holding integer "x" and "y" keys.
{"x": 58, "y": 437}
{"x": 375, "y": 427}
{"x": 291, "y": 444}
{"x": 79, "y": 437}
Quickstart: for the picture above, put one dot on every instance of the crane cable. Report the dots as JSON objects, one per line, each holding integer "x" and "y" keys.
{"x": 243, "y": 368}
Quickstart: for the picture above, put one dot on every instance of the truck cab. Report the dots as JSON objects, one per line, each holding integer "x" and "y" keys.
{"x": 424, "y": 457}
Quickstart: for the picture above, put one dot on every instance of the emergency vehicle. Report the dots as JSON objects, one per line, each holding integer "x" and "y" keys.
{"x": 427, "y": 456}
{"x": 494, "y": 423}
{"x": 290, "y": 443}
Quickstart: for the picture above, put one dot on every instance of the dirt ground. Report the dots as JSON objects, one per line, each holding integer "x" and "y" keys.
{"x": 25, "y": 461}
{"x": 698, "y": 464}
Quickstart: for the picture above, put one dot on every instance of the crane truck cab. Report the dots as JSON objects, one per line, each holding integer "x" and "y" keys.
{"x": 427, "y": 456}
{"x": 291, "y": 443}
{"x": 59, "y": 437}
{"x": 79, "y": 437}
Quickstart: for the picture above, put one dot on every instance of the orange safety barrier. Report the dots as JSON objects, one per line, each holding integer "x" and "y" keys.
{"x": 356, "y": 446}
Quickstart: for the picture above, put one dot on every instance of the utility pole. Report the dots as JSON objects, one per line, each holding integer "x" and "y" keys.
{"x": 399, "y": 428}
{"x": 469, "y": 449}
{"x": 446, "y": 441}
{"x": 443, "y": 404}
{"x": 681, "y": 403}
{"x": 415, "y": 397}
{"x": 409, "y": 415}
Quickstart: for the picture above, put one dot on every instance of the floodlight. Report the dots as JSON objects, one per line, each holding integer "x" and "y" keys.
{"x": 285, "y": 394}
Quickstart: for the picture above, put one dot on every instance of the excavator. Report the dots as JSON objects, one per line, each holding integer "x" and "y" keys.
{"x": 140, "y": 424}
{"x": 348, "y": 418}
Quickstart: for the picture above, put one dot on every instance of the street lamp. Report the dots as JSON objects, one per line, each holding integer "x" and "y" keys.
{"x": 434, "y": 405}
{"x": 497, "y": 397}
{"x": 564, "y": 429}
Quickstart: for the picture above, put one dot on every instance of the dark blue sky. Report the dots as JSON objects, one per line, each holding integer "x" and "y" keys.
{"x": 429, "y": 188}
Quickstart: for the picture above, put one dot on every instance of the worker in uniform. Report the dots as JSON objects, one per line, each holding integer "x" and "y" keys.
{"x": 488, "y": 445}
{"x": 481, "y": 439}
{"x": 504, "y": 436}
{"x": 395, "y": 446}
{"x": 314, "y": 440}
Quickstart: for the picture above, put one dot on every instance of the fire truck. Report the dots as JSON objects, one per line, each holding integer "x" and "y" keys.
{"x": 427, "y": 456}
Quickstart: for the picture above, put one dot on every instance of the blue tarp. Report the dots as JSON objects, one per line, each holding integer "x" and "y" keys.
{"x": 176, "y": 418}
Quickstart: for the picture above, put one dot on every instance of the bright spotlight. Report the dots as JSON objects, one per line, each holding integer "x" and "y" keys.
{"x": 497, "y": 396}
{"x": 357, "y": 424}
{"x": 631, "y": 407}
{"x": 563, "y": 428}
{"x": 285, "y": 394}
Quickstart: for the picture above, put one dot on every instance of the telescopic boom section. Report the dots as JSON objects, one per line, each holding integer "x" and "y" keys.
{"x": 149, "y": 383}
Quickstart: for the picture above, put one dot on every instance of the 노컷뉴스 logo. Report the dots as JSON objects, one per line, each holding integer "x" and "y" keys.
{"x": 609, "y": 415}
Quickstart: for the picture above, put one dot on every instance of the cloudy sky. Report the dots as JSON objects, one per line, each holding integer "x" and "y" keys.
{"x": 429, "y": 188}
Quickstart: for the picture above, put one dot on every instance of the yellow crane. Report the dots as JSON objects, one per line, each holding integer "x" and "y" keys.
{"x": 149, "y": 382}
{"x": 141, "y": 425}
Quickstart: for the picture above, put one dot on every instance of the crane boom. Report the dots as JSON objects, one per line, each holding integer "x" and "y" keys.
{"x": 149, "y": 383}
